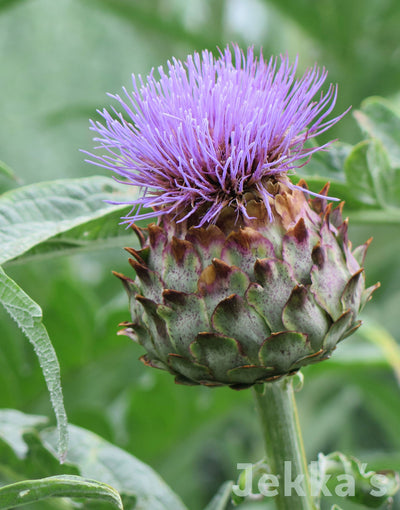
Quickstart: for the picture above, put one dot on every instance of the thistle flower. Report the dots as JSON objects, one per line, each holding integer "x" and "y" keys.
{"x": 201, "y": 136}
{"x": 244, "y": 279}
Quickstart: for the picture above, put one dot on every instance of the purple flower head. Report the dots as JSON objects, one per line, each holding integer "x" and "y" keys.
{"x": 210, "y": 129}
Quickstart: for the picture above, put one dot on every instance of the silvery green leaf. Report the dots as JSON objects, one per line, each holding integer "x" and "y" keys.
{"x": 28, "y": 315}
{"x": 13, "y": 426}
{"x": 97, "y": 459}
{"x": 89, "y": 456}
{"x": 61, "y": 486}
{"x": 59, "y": 214}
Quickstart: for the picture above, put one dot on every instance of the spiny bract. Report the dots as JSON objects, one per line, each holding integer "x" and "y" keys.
{"x": 238, "y": 304}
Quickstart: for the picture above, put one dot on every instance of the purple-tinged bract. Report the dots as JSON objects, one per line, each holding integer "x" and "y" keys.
{"x": 210, "y": 130}
{"x": 244, "y": 279}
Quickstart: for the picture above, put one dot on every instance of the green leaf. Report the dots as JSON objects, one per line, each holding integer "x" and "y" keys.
{"x": 378, "y": 119}
{"x": 327, "y": 164}
{"x": 98, "y": 234}
{"x": 13, "y": 426}
{"x": 61, "y": 486}
{"x": 222, "y": 498}
{"x": 97, "y": 459}
{"x": 370, "y": 175}
{"x": 362, "y": 176}
{"x": 35, "y": 214}
{"x": 28, "y": 315}
{"x": 89, "y": 456}
{"x": 358, "y": 175}
{"x": 381, "y": 173}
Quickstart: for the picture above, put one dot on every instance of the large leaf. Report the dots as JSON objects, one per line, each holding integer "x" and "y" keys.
{"x": 97, "y": 234}
{"x": 366, "y": 176}
{"x": 13, "y": 426}
{"x": 361, "y": 175}
{"x": 28, "y": 315}
{"x": 88, "y": 455}
{"x": 96, "y": 458}
{"x": 35, "y": 214}
{"x": 62, "y": 486}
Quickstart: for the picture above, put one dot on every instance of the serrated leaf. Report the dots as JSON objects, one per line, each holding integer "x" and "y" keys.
{"x": 222, "y": 498}
{"x": 28, "y": 315}
{"x": 36, "y": 214}
{"x": 61, "y": 486}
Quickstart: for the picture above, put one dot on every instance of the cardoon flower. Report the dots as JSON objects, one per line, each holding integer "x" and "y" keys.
{"x": 244, "y": 278}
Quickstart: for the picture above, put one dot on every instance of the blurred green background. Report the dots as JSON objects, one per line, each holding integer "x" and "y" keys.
{"x": 58, "y": 59}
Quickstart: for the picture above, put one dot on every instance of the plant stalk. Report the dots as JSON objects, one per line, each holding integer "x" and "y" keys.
{"x": 284, "y": 445}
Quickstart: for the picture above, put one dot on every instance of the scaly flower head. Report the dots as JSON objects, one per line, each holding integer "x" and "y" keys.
{"x": 210, "y": 130}
{"x": 244, "y": 279}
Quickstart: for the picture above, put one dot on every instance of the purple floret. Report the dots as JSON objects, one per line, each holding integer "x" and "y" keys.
{"x": 209, "y": 129}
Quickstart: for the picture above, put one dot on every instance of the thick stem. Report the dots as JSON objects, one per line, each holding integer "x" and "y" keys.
{"x": 284, "y": 445}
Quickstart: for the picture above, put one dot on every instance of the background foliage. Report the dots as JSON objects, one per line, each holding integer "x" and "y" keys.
{"x": 58, "y": 59}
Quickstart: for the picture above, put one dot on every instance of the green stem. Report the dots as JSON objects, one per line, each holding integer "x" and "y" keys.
{"x": 284, "y": 445}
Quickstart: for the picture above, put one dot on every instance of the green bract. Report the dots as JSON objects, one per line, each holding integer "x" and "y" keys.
{"x": 249, "y": 300}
